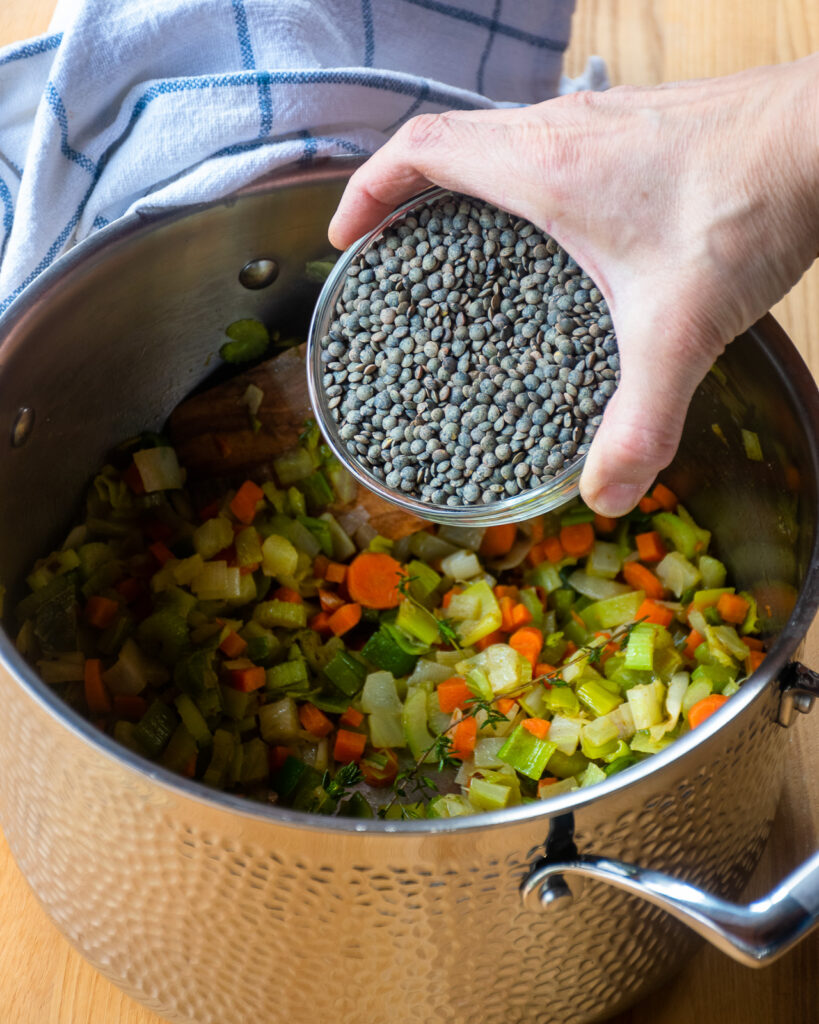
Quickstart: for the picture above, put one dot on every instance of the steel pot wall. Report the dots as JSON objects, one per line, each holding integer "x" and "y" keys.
{"x": 208, "y": 909}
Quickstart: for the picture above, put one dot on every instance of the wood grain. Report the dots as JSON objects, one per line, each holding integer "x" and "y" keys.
{"x": 43, "y": 981}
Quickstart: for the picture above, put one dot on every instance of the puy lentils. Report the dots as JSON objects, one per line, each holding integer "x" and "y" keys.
{"x": 470, "y": 357}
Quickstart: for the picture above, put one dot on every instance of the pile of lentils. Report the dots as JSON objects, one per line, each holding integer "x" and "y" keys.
{"x": 469, "y": 358}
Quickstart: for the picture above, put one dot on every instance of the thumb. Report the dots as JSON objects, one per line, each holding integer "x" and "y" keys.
{"x": 643, "y": 422}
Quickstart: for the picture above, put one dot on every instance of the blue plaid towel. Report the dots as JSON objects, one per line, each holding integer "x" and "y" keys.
{"x": 139, "y": 104}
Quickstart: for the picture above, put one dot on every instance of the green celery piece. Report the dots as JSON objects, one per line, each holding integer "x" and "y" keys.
{"x": 296, "y": 504}
{"x": 262, "y": 649}
{"x": 194, "y": 674}
{"x": 347, "y": 673}
{"x": 677, "y": 532}
{"x": 642, "y": 743}
{"x": 235, "y": 702}
{"x": 248, "y": 547}
{"x": 414, "y": 717}
{"x": 621, "y": 763}
{"x": 717, "y": 675}
{"x": 112, "y": 638}
{"x": 526, "y": 753}
{"x": 317, "y": 491}
{"x": 751, "y": 623}
{"x": 425, "y": 580}
{"x": 449, "y": 805}
{"x": 418, "y": 622}
{"x": 54, "y": 614}
{"x": 554, "y": 648}
{"x": 562, "y": 600}
{"x": 193, "y": 720}
{"x": 280, "y": 615}
{"x": 221, "y": 759}
{"x": 596, "y": 697}
{"x": 210, "y": 704}
{"x": 313, "y": 799}
{"x": 530, "y": 601}
{"x": 164, "y": 635}
{"x": 385, "y": 650}
{"x": 703, "y": 599}
{"x": 249, "y": 340}
{"x": 712, "y": 570}
{"x": 254, "y": 762}
{"x": 180, "y": 749}
{"x": 577, "y": 515}
{"x": 487, "y": 618}
{"x": 156, "y": 727}
{"x": 39, "y": 578}
{"x": 591, "y": 775}
{"x": 102, "y": 578}
{"x": 640, "y": 648}
{"x": 490, "y": 796}
{"x": 176, "y": 600}
{"x": 562, "y": 700}
{"x": 753, "y": 449}
{"x": 291, "y": 775}
{"x": 235, "y": 771}
{"x": 289, "y": 676}
{"x": 546, "y": 575}
{"x": 92, "y": 556}
{"x": 405, "y": 812}
{"x": 621, "y": 750}
{"x": 601, "y": 743}
{"x": 321, "y": 531}
{"x": 293, "y": 466}
{"x": 332, "y": 703}
{"x": 355, "y": 806}
{"x": 386, "y": 729}
{"x": 564, "y": 766}
{"x": 612, "y": 611}
{"x": 730, "y": 688}
{"x": 576, "y": 633}
{"x": 625, "y": 678}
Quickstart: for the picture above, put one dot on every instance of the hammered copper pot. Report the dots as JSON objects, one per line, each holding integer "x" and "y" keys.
{"x": 213, "y": 910}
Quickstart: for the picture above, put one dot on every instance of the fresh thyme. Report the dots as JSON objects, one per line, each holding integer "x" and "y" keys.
{"x": 348, "y": 775}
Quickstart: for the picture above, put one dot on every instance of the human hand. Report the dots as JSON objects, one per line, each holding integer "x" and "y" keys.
{"x": 693, "y": 206}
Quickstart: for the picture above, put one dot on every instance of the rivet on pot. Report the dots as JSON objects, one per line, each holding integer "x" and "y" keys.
{"x": 23, "y": 424}
{"x": 258, "y": 273}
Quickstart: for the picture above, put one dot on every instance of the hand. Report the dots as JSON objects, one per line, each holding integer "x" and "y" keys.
{"x": 693, "y": 206}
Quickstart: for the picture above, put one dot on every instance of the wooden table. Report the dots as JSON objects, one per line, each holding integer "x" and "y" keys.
{"x": 43, "y": 981}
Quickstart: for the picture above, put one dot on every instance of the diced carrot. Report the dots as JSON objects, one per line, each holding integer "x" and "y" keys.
{"x": 247, "y": 679}
{"x": 329, "y": 600}
{"x": 733, "y": 608}
{"x": 346, "y": 618}
{"x": 244, "y": 501}
{"x": 753, "y": 643}
{"x": 276, "y": 756}
{"x": 132, "y": 478}
{"x": 336, "y": 572}
{"x": 246, "y": 570}
{"x": 506, "y": 605}
{"x": 449, "y": 595}
{"x": 705, "y": 708}
{"x": 188, "y": 769}
{"x": 233, "y": 645}
{"x": 650, "y": 611}
{"x": 604, "y": 524}
{"x": 543, "y": 668}
{"x": 161, "y": 552}
{"x": 650, "y": 546}
{"x": 640, "y": 578}
{"x": 497, "y": 540}
{"x": 543, "y": 784}
{"x": 500, "y": 591}
{"x": 464, "y": 737}
{"x": 100, "y": 611}
{"x": 537, "y": 553}
{"x": 648, "y": 505}
{"x": 553, "y": 549}
{"x": 130, "y": 589}
{"x": 351, "y": 717}
{"x": 536, "y": 530}
{"x": 380, "y": 768}
{"x": 793, "y": 480}
{"x": 320, "y": 623}
{"x": 505, "y": 705}
{"x": 453, "y": 693}
{"x": 528, "y": 642}
{"x": 521, "y": 616}
{"x": 320, "y": 564}
{"x": 497, "y": 637}
{"x": 223, "y": 445}
{"x": 314, "y": 720}
{"x": 753, "y": 661}
{"x": 96, "y": 693}
{"x": 373, "y": 578}
{"x": 571, "y": 648}
{"x": 664, "y": 497}
{"x": 129, "y": 706}
{"x": 537, "y": 727}
{"x": 692, "y": 642}
{"x": 578, "y": 539}
{"x": 349, "y": 746}
{"x": 289, "y": 595}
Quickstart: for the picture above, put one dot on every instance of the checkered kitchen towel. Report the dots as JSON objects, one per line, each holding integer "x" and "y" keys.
{"x": 134, "y": 104}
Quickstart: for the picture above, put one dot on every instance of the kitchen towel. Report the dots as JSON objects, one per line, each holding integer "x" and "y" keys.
{"x": 132, "y": 105}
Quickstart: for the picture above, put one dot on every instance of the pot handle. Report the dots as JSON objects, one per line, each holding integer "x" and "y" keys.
{"x": 755, "y": 934}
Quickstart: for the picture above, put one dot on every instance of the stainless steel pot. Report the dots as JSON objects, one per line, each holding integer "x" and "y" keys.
{"x": 210, "y": 909}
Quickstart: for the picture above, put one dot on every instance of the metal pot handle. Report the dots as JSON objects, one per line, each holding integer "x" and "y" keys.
{"x": 755, "y": 934}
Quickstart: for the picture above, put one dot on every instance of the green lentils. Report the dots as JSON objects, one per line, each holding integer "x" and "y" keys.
{"x": 470, "y": 357}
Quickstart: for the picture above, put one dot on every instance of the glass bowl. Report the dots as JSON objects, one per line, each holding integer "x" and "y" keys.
{"x": 557, "y": 491}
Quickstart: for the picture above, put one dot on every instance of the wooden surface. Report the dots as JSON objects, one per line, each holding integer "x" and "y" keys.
{"x": 43, "y": 981}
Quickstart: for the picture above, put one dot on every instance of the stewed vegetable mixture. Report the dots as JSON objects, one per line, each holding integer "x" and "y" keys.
{"x": 268, "y": 646}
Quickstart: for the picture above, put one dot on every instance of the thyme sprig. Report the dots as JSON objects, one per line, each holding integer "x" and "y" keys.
{"x": 348, "y": 775}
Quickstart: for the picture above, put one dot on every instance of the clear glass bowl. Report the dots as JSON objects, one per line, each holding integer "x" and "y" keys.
{"x": 535, "y": 501}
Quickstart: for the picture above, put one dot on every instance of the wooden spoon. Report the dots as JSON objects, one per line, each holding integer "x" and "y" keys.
{"x": 214, "y": 440}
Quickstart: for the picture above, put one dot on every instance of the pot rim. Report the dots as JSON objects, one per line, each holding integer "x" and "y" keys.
{"x": 798, "y": 382}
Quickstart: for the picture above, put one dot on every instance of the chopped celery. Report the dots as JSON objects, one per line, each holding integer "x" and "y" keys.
{"x": 530, "y": 600}
{"x": 385, "y": 650}
{"x": 346, "y": 673}
{"x": 281, "y": 615}
{"x": 262, "y": 649}
{"x": 155, "y": 728}
{"x": 212, "y": 536}
{"x": 563, "y": 765}
{"x": 254, "y": 762}
{"x": 642, "y": 743}
{"x": 562, "y": 699}
{"x": 533, "y": 701}
{"x": 293, "y": 466}
{"x": 429, "y": 548}
{"x": 418, "y": 622}
{"x": 279, "y": 721}
{"x": 640, "y": 647}
{"x": 164, "y": 635}
{"x": 526, "y": 753}
{"x": 592, "y": 775}
{"x": 565, "y": 733}
{"x": 424, "y": 581}
{"x": 294, "y": 531}
{"x": 221, "y": 759}
{"x": 248, "y": 547}
{"x": 180, "y": 749}
{"x": 604, "y": 560}
{"x": 713, "y": 571}
{"x": 450, "y": 805}
{"x": 557, "y": 788}
{"x": 599, "y": 738}
{"x": 236, "y": 703}
{"x": 414, "y": 719}
{"x": 580, "y": 514}
{"x": 614, "y": 611}
{"x": 288, "y": 676}
{"x": 545, "y": 575}
{"x": 279, "y": 556}
{"x": 751, "y": 623}
{"x": 490, "y": 796}
{"x": 753, "y": 449}
{"x": 646, "y": 703}
{"x": 386, "y": 729}
{"x": 730, "y": 688}
{"x": 594, "y": 695}
{"x": 697, "y": 690}
{"x": 427, "y": 671}
{"x": 317, "y": 491}
{"x": 504, "y": 667}
{"x": 462, "y": 536}
{"x": 677, "y": 532}
{"x": 725, "y": 643}
{"x": 476, "y": 613}
{"x": 93, "y": 555}
{"x": 461, "y": 565}
{"x": 677, "y": 574}
{"x": 218, "y": 582}
{"x": 159, "y": 469}
{"x": 355, "y": 806}
{"x": 343, "y": 547}
{"x": 193, "y": 721}
{"x": 596, "y": 587}
{"x": 487, "y": 751}
{"x": 379, "y": 693}
{"x": 320, "y": 529}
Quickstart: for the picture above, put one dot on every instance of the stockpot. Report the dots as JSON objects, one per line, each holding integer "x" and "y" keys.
{"x": 210, "y": 909}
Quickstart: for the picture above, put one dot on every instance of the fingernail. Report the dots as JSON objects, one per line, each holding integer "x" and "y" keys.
{"x": 617, "y": 499}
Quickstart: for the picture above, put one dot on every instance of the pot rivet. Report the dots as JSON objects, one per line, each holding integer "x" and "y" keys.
{"x": 558, "y": 895}
{"x": 23, "y": 424}
{"x": 258, "y": 273}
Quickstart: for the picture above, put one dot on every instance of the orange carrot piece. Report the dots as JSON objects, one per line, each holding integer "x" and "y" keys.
{"x": 320, "y": 623}
{"x": 536, "y": 530}
{"x": 373, "y": 578}
{"x": 793, "y": 479}
{"x": 497, "y": 637}
{"x": 665, "y": 497}
{"x": 244, "y": 501}
{"x": 753, "y": 661}
{"x": 336, "y": 572}
{"x": 521, "y": 616}
{"x": 330, "y": 601}
{"x": 314, "y": 720}
{"x": 276, "y": 756}
{"x": 505, "y": 705}
{"x": 650, "y": 546}
{"x": 497, "y": 540}
{"x": 233, "y": 645}
{"x": 537, "y": 553}
{"x": 351, "y": 717}
{"x": 346, "y": 618}
{"x": 649, "y": 505}
{"x": 349, "y": 746}
{"x": 692, "y": 642}
{"x": 543, "y": 668}
{"x": 528, "y": 642}
{"x": 604, "y": 524}
{"x": 320, "y": 565}
{"x": 640, "y": 578}
{"x": 705, "y": 708}
{"x": 453, "y": 693}
{"x": 380, "y": 769}
{"x": 247, "y": 679}
{"x": 129, "y": 706}
{"x": 96, "y": 692}
{"x": 161, "y": 552}
{"x": 464, "y": 737}
{"x": 733, "y": 608}
{"x": 553, "y": 549}
{"x": 100, "y": 612}
{"x": 753, "y": 643}
{"x": 578, "y": 539}
{"x": 289, "y": 595}
{"x": 650, "y": 611}
{"x": 506, "y": 606}
{"x": 537, "y": 727}
{"x": 501, "y": 591}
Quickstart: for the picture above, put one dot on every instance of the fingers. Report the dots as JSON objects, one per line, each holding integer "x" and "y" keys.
{"x": 468, "y": 151}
